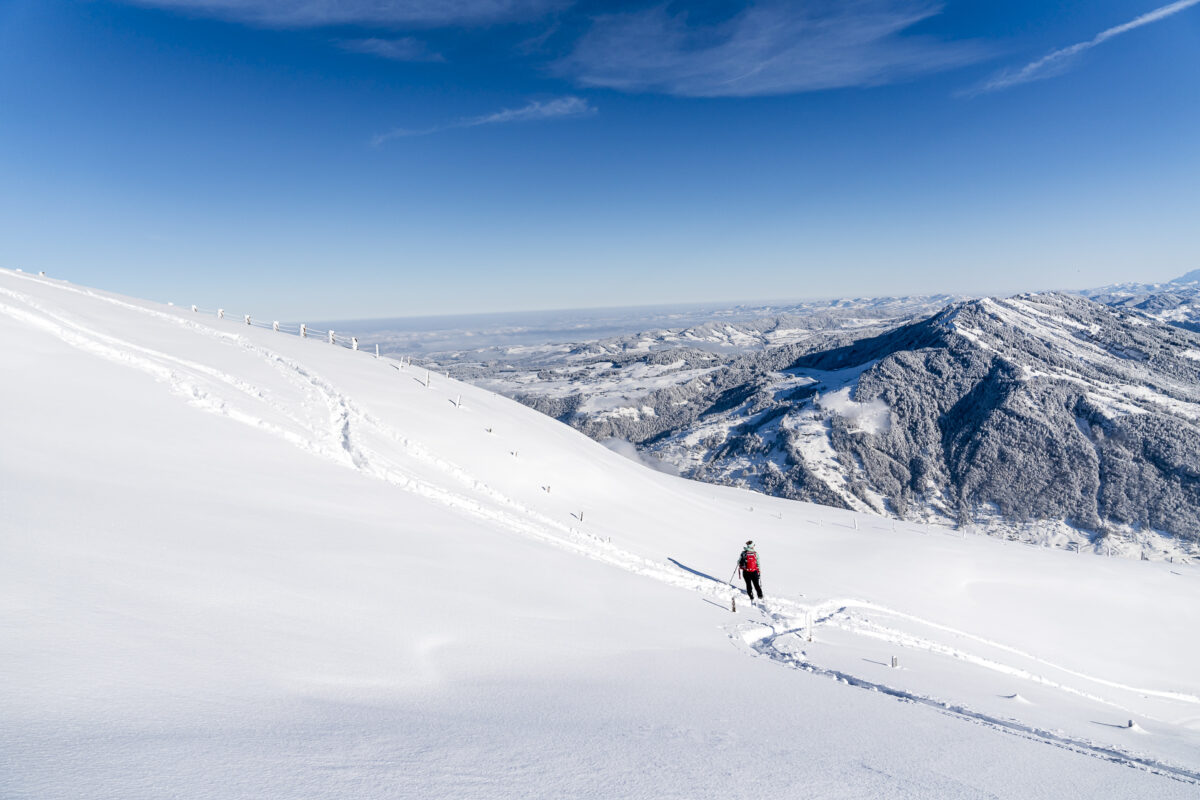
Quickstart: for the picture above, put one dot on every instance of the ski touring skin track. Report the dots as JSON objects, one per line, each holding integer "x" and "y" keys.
{"x": 766, "y": 644}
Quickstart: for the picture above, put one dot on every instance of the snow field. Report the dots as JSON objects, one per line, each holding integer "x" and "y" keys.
{"x": 229, "y": 546}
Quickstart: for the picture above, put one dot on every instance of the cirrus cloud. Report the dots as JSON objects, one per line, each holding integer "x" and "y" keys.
{"x": 536, "y": 110}
{"x": 319, "y": 13}
{"x": 1057, "y": 61}
{"x": 403, "y": 49}
{"x": 767, "y": 48}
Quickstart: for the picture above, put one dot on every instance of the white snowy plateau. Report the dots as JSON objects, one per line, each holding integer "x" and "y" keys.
{"x": 238, "y": 563}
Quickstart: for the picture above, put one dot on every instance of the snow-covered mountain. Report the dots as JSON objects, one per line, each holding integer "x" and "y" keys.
{"x": 1176, "y": 302}
{"x": 608, "y": 376}
{"x": 1042, "y": 416}
{"x": 240, "y": 563}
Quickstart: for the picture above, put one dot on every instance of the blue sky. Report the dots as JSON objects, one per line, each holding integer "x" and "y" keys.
{"x": 365, "y": 158}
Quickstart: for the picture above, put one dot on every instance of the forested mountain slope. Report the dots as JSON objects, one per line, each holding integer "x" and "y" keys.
{"x": 1037, "y": 407}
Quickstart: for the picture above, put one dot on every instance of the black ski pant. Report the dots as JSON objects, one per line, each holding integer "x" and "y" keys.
{"x": 752, "y": 583}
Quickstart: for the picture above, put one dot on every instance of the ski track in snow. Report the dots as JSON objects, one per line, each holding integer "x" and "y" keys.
{"x": 767, "y": 646}
{"x": 350, "y": 437}
{"x": 341, "y": 442}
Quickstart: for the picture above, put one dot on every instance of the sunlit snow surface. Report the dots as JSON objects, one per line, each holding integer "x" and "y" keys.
{"x": 237, "y": 563}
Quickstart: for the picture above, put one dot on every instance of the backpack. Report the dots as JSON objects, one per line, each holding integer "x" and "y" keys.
{"x": 750, "y": 561}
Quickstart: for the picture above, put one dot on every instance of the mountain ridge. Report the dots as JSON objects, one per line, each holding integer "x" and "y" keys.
{"x": 1037, "y": 407}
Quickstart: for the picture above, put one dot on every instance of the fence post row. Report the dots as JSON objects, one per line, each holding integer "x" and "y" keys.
{"x": 304, "y": 335}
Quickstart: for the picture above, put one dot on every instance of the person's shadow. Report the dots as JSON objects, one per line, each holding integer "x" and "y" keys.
{"x": 697, "y": 572}
{"x": 706, "y": 576}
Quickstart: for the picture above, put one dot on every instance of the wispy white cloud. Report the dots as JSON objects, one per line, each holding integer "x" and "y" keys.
{"x": 535, "y": 110}
{"x": 403, "y": 49}
{"x": 1056, "y": 62}
{"x": 316, "y": 13}
{"x": 767, "y": 48}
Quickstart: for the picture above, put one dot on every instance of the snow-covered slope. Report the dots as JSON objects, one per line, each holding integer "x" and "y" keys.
{"x": 238, "y": 563}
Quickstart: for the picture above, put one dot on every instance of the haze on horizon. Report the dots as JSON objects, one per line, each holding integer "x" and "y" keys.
{"x": 358, "y": 159}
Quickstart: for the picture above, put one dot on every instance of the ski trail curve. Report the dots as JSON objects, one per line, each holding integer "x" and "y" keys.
{"x": 767, "y": 646}
{"x": 835, "y": 612}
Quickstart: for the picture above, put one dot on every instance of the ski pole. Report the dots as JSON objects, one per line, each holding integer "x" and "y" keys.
{"x": 735, "y": 569}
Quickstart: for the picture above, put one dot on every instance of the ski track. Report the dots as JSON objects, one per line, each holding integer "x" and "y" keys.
{"x": 343, "y": 439}
{"x": 766, "y": 646}
{"x": 347, "y": 448}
